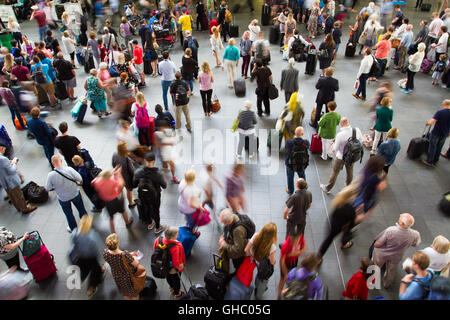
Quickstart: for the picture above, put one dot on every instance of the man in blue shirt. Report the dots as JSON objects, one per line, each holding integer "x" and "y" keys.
{"x": 46, "y": 83}
{"x": 440, "y": 132}
{"x": 386, "y": 11}
{"x": 406, "y": 41}
{"x": 143, "y": 31}
{"x": 416, "y": 285}
{"x": 167, "y": 69}
{"x": 42, "y": 133}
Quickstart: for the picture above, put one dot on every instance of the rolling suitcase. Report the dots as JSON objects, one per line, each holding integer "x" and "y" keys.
{"x": 187, "y": 239}
{"x": 265, "y": 15}
{"x": 239, "y": 87}
{"x": 81, "y": 113}
{"x": 425, "y": 7}
{"x": 216, "y": 281}
{"x": 143, "y": 210}
{"x": 238, "y": 291}
{"x": 234, "y": 30}
{"x": 316, "y": 143}
{"x": 350, "y": 49}
{"x": 147, "y": 65}
{"x": 274, "y": 35}
{"x": 80, "y": 57}
{"x": 60, "y": 90}
{"x": 419, "y": 146}
{"x": 311, "y": 62}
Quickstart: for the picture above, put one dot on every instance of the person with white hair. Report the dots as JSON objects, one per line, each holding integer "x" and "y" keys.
{"x": 415, "y": 61}
{"x": 246, "y": 129}
{"x": 439, "y": 253}
{"x": 289, "y": 80}
{"x": 391, "y": 244}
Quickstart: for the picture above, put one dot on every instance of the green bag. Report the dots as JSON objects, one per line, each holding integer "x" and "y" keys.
{"x": 31, "y": 245}
{"x": 236, "y": 122}
{"x": 63, "y": 28}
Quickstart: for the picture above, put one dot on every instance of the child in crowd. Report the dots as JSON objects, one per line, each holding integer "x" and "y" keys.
{"x": 438, "y": 69}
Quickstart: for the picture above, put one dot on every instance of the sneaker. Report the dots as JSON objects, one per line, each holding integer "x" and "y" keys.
{"x": 69, "y": 230}
{"x": 324, "y": 188}
{"x": 151, "y": 225}
{"x": 175, "y": 180}
{"x": 425, "y": 162}
{"x": 160, "y": 229}
{"x": 404, "y": 90}
{"x": 239, "y": 156}
{"x": 251, "y": 156}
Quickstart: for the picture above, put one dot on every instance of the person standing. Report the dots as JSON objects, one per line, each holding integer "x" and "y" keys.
{"x": 216, "y": 44}
{"x": 68, "y": 146}
{"x": 125, "y": 29}
{"x": 122, "y": 160}
{"x": 231, "y": 58}
{"x": 167, "y": 69}
{"x": 297, "y": 158}
{"x": 42, "y": 76}
{"x": 42, "y": 133}
{"x": 246, "y": 129}
{"x": 339, "y": 144}
{"x": 191, "y": 43}
{"x": 435, "y": 27}
{"x": 246, "y": 53}
{"x": 10, "y": 181}
{"x": 382, "y": 53}
{"x": 185, "y": 21}
{"x": 405, "y": 42}
{"x": 440, "y": 132}
{"x": 282, "y": 19}
{"x": 326, "y": 53}
{"x": 264, "y": 80}
{"x": 442, "y": 45}
{"x": 296, "y": 208}
{"x": 66, "y": 73}
{"x": 65, "y": 181}
{"x": 383, "y": 124}
{"x": 140, "y": 112}
{"x": 224, "y": 19}
{"x": 9, "y": 248}
{"x": 95, "y": 93}
{"x": 327, "y": 86}
{"x": 254, "y": 29}
{"x": 389, "y": 149}
{"x": 138, "y": 61}
{"x": 327, "y": 128}
{"x": 416, "y": 285}
{"x": 363, "y": 74}
{"x": 313, "y": 19}
{"x": 205, "y": 80}
{"x": 289, "y": 80}
{"x": 391, "y": 244}
{"x": 189, "y": 67}
{"x": 189, "y": 200}
{"x": 180, "y": 94}
{"x": 356, "y": 288}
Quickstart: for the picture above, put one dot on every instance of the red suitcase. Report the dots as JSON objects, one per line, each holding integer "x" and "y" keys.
{"x": 41, "y": 264}
{"x": 316, "y": 143}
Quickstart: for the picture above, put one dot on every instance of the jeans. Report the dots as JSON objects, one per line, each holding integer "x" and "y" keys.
{"x": 435, "y": 148}
{"x": 49, "y": 150}
{"x": 225, "y": 30}
{"x": 362, "y": 85}
{"x": 263, "y": 97}
{"x": 410, "y": 81}
{"x": 15, "y": 113}
{"x": 190, "y": 220}
{"x": 290, "y": 178}
{"x": 245, "y": 65}
{"x": 206, "y": 100}
{"x": 260, "y": 288}
{"x": 144, "y": 136}
{"x": 190, "y": 83}
{"x": 91, "y": 265}
{"x": 165, "y": 87}
{"x": 382, "y": 68}
{"x": 43, "y": 32}
{"x": 334, "y": 231}
{"x": 251, "y": 143}
{"x": 67, "y": 209}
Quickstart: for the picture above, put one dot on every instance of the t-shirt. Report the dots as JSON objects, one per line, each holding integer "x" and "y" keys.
{"x": 399, "y": 22}
{"x": 70, "y": 47}
{"x": 64, "y": 69}
{"x": 395, "y": 241}
{"x": 337, "y": 33}
{"x": 443, "y": 40}
{"x": 185, "y": 22}
{"x": 53, "y": 45}
{"x": 187, "y": 192}
{"x": 383, "y": 48}
{"x": 262, "y": 77}
{"x": 273, "y": 248}
{"x": 68, "y": 146}
{"x": 442, "y": 125}
{"x": 14, "y": 27}
{"x": 40, "y": 18}
{"x": 298, "y": 204}
{"x": 107, "y": 190}
{"x": 137, "y": 53}
{"x": 44, "y": 68}
{"x": 288, "y": 247}
{"x": 65, "y": 189}
{"x": 437, "y": 260}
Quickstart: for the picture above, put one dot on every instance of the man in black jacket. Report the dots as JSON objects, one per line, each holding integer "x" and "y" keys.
{"x": 150, "y": 175}
{"x": 180, "y": 94}
{"x": 327, "y": 86}
{"x": 224, "y": 26}
{"x": 264, "y": 79}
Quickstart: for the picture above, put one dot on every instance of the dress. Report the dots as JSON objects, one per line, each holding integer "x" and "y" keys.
{"x": 216, "y": 43}
{"x": 119, "y": 272}
{"x": 290, "y": 29}
{"x": 313, "y": 18}
{"x": 96, "y": 94}
{"x": 125, "y": 67}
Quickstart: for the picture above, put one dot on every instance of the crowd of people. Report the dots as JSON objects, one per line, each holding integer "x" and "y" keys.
{"x": 45, "y": 72}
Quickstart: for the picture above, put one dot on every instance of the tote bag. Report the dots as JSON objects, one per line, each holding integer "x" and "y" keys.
{"x": 245, "y": 271}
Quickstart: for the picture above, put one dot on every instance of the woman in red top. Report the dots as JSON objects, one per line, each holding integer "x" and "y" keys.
{"x": 102, "y": 50}
{"x": 109, "y": 186}
{"x": 382, "y": 53}
{"x": 293, "y": 247}
{"x": 178, "y": 260}
{"x": 357, "y": 288}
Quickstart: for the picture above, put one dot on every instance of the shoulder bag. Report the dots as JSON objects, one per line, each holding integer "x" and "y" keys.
{"x": 137, "y": 278}
{"x": 74, "y": 181}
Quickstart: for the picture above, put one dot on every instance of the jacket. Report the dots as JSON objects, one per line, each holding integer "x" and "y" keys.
{"x": 327, "y": 125}
{"x": 384, "y": 119}
{"x": 247, "y": 120}
{"x": 176, "y": 252}
{"x": 9, "y": 178}
{"x": 151, "y": 174}
{"x": 40, "y": 130}
{"x": 235, "y": 241}
{"x": 327, "y": 87}
{"x": 356, "y": 288}
{"x": 289, "y": 80}
{"x": 389, "y": 150}
{"x": 315, "y": 287}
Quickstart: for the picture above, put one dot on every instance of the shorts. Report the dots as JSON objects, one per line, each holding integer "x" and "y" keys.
{"x": 115, "y": 206}
{"x": 139, "y": 68}
{"x": 70, "y": 84}
{"x": 48, "y": 87}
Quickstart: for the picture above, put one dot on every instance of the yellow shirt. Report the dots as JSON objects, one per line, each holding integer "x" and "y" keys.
{"x": 185, "y": 22}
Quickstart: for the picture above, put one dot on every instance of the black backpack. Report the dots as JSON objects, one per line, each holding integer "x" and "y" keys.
{"x": 93, "y": 172}
{"x": 297, "y": 46}
{"x": 299, "y": 157}
{"x": 39, "y": 75}
{"x": 181, "y": 97}
{"x": 353, "y": 150}
{"x": 244, "y": 220}
{"x": 147, "y": 191}
{"x": 34, "y": 193}
{"x": 265, "y": 269}
{"x": 161, "y": 258}
{"x": 375, "y": 67}
{"x": 440, "y": 67}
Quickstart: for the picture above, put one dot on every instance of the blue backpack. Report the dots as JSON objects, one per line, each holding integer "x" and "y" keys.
{"x": 192, "y": 45}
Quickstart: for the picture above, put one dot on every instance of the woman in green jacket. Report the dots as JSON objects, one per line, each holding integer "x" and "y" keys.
{"x": 383, "y": 124}
{"x": 327, "y": 127}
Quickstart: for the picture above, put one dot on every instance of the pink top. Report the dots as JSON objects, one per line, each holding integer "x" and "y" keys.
{"x": 107, "y": 190}
{"x": 383, "y": 48}
{"x": 204, "y": 79}
{"x": 104, "y": 75}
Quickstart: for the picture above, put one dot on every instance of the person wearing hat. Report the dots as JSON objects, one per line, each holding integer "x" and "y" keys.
{"x": 10, "y": 180}
{"x": 246, "y": 129}
{"x": 41, "y": 20}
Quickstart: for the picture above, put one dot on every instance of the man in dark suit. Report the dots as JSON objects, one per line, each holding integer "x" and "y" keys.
{"x": 327, "y": 86}
{"x": 42, "y": 133}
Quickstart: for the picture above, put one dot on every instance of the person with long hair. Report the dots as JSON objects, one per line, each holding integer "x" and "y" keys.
{"x": 262, "y": 246}
{"x": 390, "y": 148}
{"x": 356, "y": 288}
{"x": 139, "y": 111}
{"x": 121, "y": 159}
{"x": 234, "y": 190}
{"x": 289, "y": 26}
{"x": 205, "y": 80}
{"x": 216, "y": 44}
{"x": 246, "y": 53}
{"x": 189, "y": 200}
{"x": 150, "y": 47}
{"x": 326, "y": 49}
{"x": 254, "y": 29}
{"x": 292, "y": 116}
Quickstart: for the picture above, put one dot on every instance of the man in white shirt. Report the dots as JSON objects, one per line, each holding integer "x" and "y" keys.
{"x": 108, "y": 39}
{"x": 441, "y": 46}
{"x": 363, "y": 74}
{"x": 338, "y": 149}
{"x": 297, "y": 35}
{"x": 167, "y": 69}
{"x": 434, "y": 28}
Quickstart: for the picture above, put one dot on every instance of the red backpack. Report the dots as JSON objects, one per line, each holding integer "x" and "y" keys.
{"x": 142, "y": 118}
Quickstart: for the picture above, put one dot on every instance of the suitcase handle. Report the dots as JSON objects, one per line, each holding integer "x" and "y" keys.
{"x": 216, "y": 257}
{"x": 425, "y": 130}
{"x": 29, "y": 233}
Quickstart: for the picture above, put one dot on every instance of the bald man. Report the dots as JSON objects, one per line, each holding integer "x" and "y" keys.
{"x": 296, "y": 208}
{"x": 297, "y": 158}
{"x": 391, "y": 244}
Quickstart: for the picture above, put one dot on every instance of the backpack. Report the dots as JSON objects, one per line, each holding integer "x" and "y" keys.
{"x": 181, "y": 97}
{"x": 265, "y": 269}
{"x": 297, "y": 46}
{"x": 93, "y": 172}
{"x": 298, "y": 289}
{"x": 161, "y": 258}
{"x": 259, "y": 50}
{"x": 15, "y": 52}
{"x": 375, "y": 67}
{"x": 353, "y": 150}
{"x": 439, "y": 288}
{"x": 191, "y": 45}
{"x": 142, "y": 118}
{"x": 440, "y": 66}
{"x": 425, "y": 288}
{"x": 147, "y": 191}
{"x": 228, "y": 16}
{"x": 244, "y": 220}
{"x": 39, "y": 75}
{"x": 299, "y": 157}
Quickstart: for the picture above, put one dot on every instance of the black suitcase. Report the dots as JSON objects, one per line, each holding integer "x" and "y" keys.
{"x": 418, "y": 146}
{"x": 247, "y": 143}
{"x": 149, "y": 291}
{"x": 274, "y": 35}
{"x": 60, "y": 90}
{"x": 425, "y": 7}
{"x": 444, "y": 204}
{"x": 147, "y": 65}
{"x": 216, "y": 281}
{"x": 350, "y": 49}
{"x": 239, "y": 87}
{"x": 143, "y": 211}
{"x": 82, "y": 113}
{"x": 311, "y": 63}
{"x": 234, "y": 31}
{"x": 265, "y": 15}
{"x": 89, "y": 63}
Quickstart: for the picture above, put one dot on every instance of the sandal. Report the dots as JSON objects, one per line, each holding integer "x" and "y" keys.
{"x": 347, "y": 245}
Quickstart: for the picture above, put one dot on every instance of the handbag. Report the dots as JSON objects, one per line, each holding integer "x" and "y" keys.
{"x": 137, "y": 278}
{"x": 31, "y": 245}
{"x": 235, "y": 124}
{"x": 273, "y": 92}
{"x": 265, "y": 269}
{"x": 201, "y": 217}
{"x": 215, "y": 105}
{"x": 395, "y": 43}
{"x": 363, "y": 38}
{"x": 323, "y": 54}
{"x": 245, "y": 272}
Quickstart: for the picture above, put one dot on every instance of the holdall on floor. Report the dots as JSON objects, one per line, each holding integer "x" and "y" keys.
{"x": 60, "y": 90}
{"x": 149, "y": 291}
{"x": 34, "y": 193}
{"x": 350, "y": 49}
{"x": 265, "y": 15}
{"x": 80, "y": 57}
{"x": 274, "y": 35}
{"x": 216, "y": 280}
{"x": 196, "y": 292}
{"x": 425, "y": 7}
{"x": 444, "y": 204}
{"x": 215, "y": 104}
{"x": 316, "y": 143}
{"x": 273, "y": 92}
{"x": 239, "y": 87}
{"x": 419, "y": 146}
{"x": 187, "y": 239}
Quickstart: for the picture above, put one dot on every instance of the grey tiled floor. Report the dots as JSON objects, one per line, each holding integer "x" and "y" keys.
{"x": 412, "y": 187}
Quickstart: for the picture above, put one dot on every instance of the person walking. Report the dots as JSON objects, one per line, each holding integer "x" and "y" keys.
{"x": 382, "y": 53}
{"x": 289, "y": 80}
{"x": 246, "y": 129}
{"x": 167, "y": 69}
{"x": 234, "y": 189}
{"x": 327, "y": 87}
{"x": 96, "y": 94}
{"x": 384, "y": 121}
{"x": 289, "y": 28}
{"x": 391, "y": 244}
{"x": 313, "y": 19}
{"x": 327, "y": 128}
{"x": 41, "y": 20}
{"x": 389, "y": 149}
{"x": 205, "y": 80}
{"x": 440, "y": 132}
{"x": 216, "y": 44}
{"x": 246, "y": 53}
{"x": 8, "y": 96}
{"x": 42, "y": 133}
{"x": 296, "y": 208}
{"x": 363, "y": 74}
{"x": 122, "y": 160}
{"x": 264, "y": 80}
{"x": 339, "y": 144}
{"x": 326, "y": 52}
{"x": 65, "y": 181}
{"x": 297, "y": 158}
{"x": 189, "y": 66}
{"x": 139, "y": 111}
{"x": 185, "y": 21}
{"x": 254, "y": 29}
{"x": 138, "y": 61}
{"x": 68, "y": 146}
{"x": 231, "y": 58}
{"x": 180, "y": 94}
{"x": 125, "y": 30}
{"x": 189, "y": 200}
